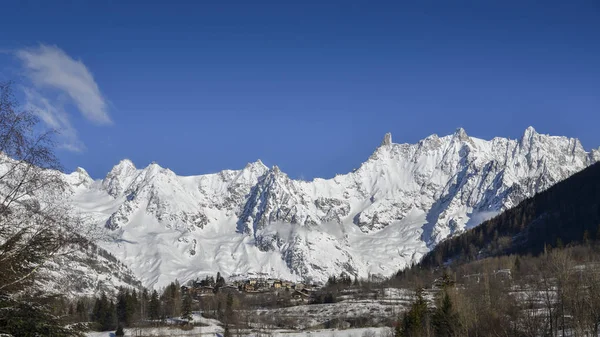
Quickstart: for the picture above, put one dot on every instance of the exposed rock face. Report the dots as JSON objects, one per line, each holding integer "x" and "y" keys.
{"x": 119, "y": 178}
{"x": 399, "y": 203}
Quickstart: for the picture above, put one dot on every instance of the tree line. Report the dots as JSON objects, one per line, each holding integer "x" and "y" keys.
{"x": 556, "y": 293}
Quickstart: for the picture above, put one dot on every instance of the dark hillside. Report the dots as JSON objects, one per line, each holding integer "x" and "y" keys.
{"x": 568, "y": 212}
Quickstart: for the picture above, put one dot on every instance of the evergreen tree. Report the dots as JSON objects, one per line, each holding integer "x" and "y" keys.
{"x": 415, "y": 321}
{"x": 133, "y": 308}
{"x": 109, "y": 321}
{"x": 171, "y": 298}
{"x": 28, "y": 318}
{"x": 332, "y": 281}
{"x": 143, "y": 304}
{"x": 119, "y": 331}
{"x": 104, "y": 313}
{"x": 99, "y": 307}
{"x": 559, "y": 243}
{"x": 186, "y": 307}
{"x": 81, "y": 311}
{"x": 444, "y": 319}
{"x": 122, "y": 312}
{"x": 517, "y": 267}
{"x": 586, "y": 237}
{"x": 154, "y": 306}
{"x": 220, "y": 281}
{"x": 126, "y": 307}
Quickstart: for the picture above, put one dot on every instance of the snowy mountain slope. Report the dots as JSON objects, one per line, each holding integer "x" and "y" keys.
{"x": 76, "y": 269}
{"x": 399, "y": 203}
{"x": 87, "y": 271}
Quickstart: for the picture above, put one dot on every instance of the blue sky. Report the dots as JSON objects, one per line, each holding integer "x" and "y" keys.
{"x": 312, "y": 87}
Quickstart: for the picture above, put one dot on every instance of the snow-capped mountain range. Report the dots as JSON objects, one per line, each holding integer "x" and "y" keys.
{"x": 373, "y": 221}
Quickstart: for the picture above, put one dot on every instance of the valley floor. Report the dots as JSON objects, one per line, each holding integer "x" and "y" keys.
{"x": 307, "y": 320}
{"x": 159, "y": 332}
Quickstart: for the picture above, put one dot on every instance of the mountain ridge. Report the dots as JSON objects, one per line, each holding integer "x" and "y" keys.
{"x": 400, "y": 202}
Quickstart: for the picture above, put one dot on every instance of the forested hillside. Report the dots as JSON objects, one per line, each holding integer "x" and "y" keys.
{"x": 531, "y": 271}
{"x": 567, "y": 212}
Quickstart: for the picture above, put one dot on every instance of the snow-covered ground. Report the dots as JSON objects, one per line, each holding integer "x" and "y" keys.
{"x": 308, "y": 316}
{"x": 387, "y": 304}
{"x": 210, "y": 327}
{"x": 359, "y": 332}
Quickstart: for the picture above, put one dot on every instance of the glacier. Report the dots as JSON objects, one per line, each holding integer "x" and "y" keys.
{"x": 383, "y": 216}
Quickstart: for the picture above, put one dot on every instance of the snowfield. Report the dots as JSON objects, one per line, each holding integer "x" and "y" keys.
{"x": 213, "y": 328}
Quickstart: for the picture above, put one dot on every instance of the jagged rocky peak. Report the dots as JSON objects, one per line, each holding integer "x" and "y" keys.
{"x": 243, "y": 179}
{"x": 154, "y": 169}
{"x": 387, "y": 139}
{"x": 83, "y": 174}
{"x": 118, "y": 178}
{"x": 461, "y": 134}
{"x": 276, "y": 170}
{"x": 529, "y": 132}
{"x": 80, "y": 177}
{"x": 274, "y": 178}
{"x": 595, "y": 155}
{"x": 384, "y": 148}
{"x": 275, "y": 198}
{"x": 124, "y": 165}
{"x": 257, "y": 165}
{"x": 428, "y": 144}
{"x": 82, "y": 171}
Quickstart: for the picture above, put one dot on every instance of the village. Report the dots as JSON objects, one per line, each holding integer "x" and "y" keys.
{"x": 300, "y": 292}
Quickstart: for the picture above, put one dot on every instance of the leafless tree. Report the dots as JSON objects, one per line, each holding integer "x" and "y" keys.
{"x": 35, "y": 223}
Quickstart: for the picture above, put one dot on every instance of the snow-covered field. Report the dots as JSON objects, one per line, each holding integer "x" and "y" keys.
{"x": 309, "y": 316}
{"x": 359, "y": 332}
{"x": 378, "y": 309}
{"x": 210, "y": 327}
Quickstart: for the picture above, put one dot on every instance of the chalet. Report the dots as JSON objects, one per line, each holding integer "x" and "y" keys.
{"x": 197, "y": 292}
{"x": 228, "y": 289}
{"x": 249, "y": 288}
{"x": 205, "y": 290}
{"x": 299, "y": 286}
{"x": 262, "y": 286}
{"x": 300, "y": 296}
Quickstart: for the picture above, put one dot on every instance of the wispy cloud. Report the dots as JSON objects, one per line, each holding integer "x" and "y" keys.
{"x": 53, "y": 75}
{"x": 56, "y": 117}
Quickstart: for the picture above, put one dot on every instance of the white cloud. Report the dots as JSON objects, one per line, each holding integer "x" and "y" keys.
{"x": 55, "y": 117}
{"x": 54, "y": 74}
